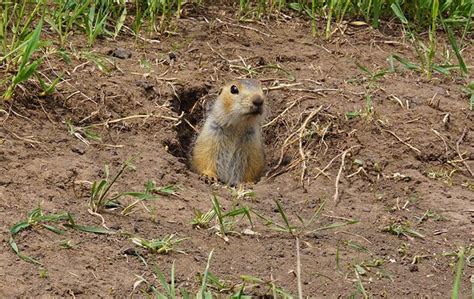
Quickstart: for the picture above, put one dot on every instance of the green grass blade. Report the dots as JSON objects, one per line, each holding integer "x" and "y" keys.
{"x": 89, "y": 229}
{"x": 283, "y": 215}
{"x": 377, "y": 11}
{"x": 457, "y": 278}
{"x": 25, "y": 72}
{"x": 202, "y": 291}
{"x": 218, "y": 210}
{"x": 32, "y": 45}
{"x": 399, "y": 13}
{"x": 22, "y": 256}
{"x": 53, "y": 229}
{"x": 163, "y": 281}
{"x": 15, "y": 229}
{"x": 455, "y": 47}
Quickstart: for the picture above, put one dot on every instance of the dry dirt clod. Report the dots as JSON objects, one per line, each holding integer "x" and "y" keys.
{"x": 120, "y": 53}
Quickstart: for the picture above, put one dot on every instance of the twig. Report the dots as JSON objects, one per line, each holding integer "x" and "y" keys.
{"x": 79, "y": 65}
{"x": 218, "y": 54}
{"x": 286, "y": 110}
{"x": 24, "y": 117}
{"x": 279, "y": 115}
{"x": 301, "y": 135}
{"x": 282, "y": 151}
{"x": 132, "y": 117}
{"x": 464, "y": 132}
{"x": 192, "y": 127}
{"x": 100, "y": 216}
{"x": 354, "y": 234}
{"x": 47, "y": 115}
{"x": 404, "y": 142}
{"x": 23, "y": 138}
{"x": 440, "y": 137}
{"x": 338, "y": 177}
{"x": 244, "y": 27}
{"x": 326, "y": 167}
{"x": 314, "y": 90}
{"x": 281, "y": 86}
{"x": 397, "y": 99}
{"x": 288, "y": 168}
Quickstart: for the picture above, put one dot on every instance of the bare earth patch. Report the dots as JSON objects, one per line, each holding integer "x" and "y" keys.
{"x": 403, "y": 173}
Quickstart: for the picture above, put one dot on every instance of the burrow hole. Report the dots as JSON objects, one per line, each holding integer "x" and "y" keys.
{"x": 191, "y": 102}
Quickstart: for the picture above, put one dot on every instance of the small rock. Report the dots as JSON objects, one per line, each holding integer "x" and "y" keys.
{"x": 120, "y": 53}
{"x": 261, "y": 61}
{"x": 146, "y": 85}
{"x": 413, "y": 268}
{"x": 78, "y": 150}
{"x": 130, "y": 251}
{"x": 116, "y": 227}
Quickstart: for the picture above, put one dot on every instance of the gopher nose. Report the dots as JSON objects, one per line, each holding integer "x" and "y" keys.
{"x": 257, "y": 100}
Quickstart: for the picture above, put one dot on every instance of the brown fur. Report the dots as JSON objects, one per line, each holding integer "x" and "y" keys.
{"x": 229, "y": 147}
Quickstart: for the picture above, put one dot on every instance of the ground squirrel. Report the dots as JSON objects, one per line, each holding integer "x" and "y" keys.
{"x": 230, "y": 147}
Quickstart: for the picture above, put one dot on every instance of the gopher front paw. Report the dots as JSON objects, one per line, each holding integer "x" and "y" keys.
{"x": 208, "y": 179}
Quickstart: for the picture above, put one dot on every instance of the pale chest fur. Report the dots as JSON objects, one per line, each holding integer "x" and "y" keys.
{"x": 237, "y": 150}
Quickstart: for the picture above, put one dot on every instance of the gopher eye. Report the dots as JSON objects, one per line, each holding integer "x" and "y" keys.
{"x": 234, "y": 89}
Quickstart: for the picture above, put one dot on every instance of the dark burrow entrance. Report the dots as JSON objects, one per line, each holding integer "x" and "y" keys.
{"x": 189, "y": 104}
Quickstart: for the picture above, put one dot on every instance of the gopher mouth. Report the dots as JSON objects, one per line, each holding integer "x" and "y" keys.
{"x": 255, "y": 111}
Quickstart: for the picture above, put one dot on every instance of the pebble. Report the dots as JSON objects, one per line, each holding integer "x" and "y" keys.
{"x": 120, "y": 53}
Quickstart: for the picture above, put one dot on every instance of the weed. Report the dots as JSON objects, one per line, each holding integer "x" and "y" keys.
{"x": 442, "y": 174}
{"x": 43, "y": 273}
{"x": 65, "y": 15}
{"x": 100, "y": 190}
{"x": 36, "y": 217}
{"x": 226, "y": 221}
{"x": 372, "y": 76}
{"x": 402, "y": 230}
{"x": 252, "y": 71}
{"x": 366, "y": 113}
{"x": 460, "y": 255}
{"x": 426, "y": 52}
{"x": 358, "y": 270}
{"x": 101, "y": 62}
{"x": 67, "y": 244}
{"x": 304, "y": 226}
{"x": 429, "y": 215}
{"x": 164, "y": 245}
{"x": 356, "y": 246}
{"x": 96, "y": 21}
{"x": 84, "y": 134}
{"x": 469, "y": 90}
{"x": 149, "y": 194}
{"x": 239, "y": 194}
{"x": 269, "y": 287}
{"x": 26, "y": 68}
{"x": 170, "y": 290}
{"x": 86, "y": 228}
{"x": 202, "y": 220}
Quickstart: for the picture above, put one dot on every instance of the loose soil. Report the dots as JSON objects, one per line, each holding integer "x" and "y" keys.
{"x": 403, "y": 161}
